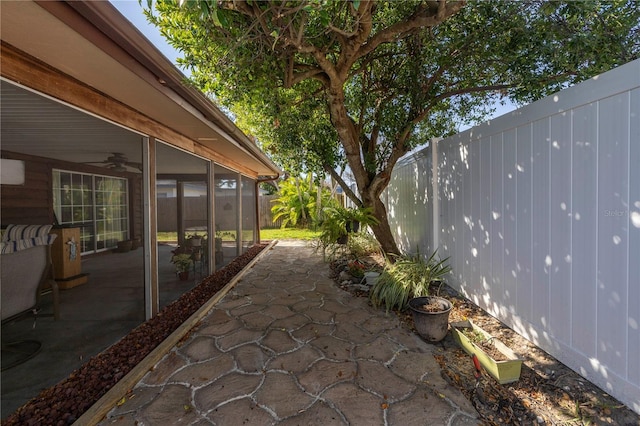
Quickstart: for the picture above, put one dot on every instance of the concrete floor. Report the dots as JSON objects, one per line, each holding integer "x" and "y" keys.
{"x": 93, "y": 316}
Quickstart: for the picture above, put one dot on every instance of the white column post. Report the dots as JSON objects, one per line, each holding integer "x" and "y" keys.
{"x": 435, "y": 196}
{"x": 151, "y": 288}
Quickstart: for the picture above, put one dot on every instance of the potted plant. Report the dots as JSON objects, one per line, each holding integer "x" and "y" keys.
{"x": 497, "y": 358}
{"x": 406, "y": 283}
{"x": 333, "y": 229}
{"x": 220, "y": 236}
{"x": 197, "y": 255}
{"x": 356, "y": 269}
{"x": 431, "y": 316}
{"x": 194, "y": 240}
{"x": 183, "y": 263}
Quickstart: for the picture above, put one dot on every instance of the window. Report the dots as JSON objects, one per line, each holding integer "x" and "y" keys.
{"x": 98, "y": 205}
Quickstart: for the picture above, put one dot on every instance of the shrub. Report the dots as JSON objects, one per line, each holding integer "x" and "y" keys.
{"x": 182, "y": 261}
{"x": 362, "y": 244}
{"x": 339, "y": 220}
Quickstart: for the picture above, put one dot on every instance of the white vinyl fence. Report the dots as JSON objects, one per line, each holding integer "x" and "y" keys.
{"x": 539, "y": 211}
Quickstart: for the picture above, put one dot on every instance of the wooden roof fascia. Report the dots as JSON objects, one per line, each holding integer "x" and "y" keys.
{"x": 26, "y": 70}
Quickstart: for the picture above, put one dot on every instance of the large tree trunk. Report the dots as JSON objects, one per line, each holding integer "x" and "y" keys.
{"x": 369, "y": 189}
{"x": 382, "y": 230}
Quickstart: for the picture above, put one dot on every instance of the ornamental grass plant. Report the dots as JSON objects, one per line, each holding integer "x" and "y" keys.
{"x": 408, "y": 277}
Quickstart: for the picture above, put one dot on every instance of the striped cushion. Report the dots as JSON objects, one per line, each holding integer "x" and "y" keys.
{"x": 17, "y": 245}
{"x": 23, "y": 232}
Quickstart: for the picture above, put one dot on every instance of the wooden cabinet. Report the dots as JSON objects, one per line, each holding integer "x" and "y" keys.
{"x": 65, "y": 255}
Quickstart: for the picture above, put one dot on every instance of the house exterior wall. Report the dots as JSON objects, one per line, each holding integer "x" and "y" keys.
{"x": 32, "y": 203}
{"x": 539, "y": 211}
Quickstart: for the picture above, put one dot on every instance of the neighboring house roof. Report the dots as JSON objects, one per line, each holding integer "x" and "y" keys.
{"x": 94, "y": 44}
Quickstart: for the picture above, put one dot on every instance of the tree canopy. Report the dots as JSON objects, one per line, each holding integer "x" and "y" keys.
{"x": 324, "y": 83}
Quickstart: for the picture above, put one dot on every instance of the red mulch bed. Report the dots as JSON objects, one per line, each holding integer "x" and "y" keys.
{"x": 64, "y": 403}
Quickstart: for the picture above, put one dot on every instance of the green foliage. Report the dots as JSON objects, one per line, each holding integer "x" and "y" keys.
{"x": 356, "y": 268}
{"x": 361, "y": 244}
{"x": 407, "y": 277}
{"x": 336, "y": 219}
{"x": 268, "y": 187}
{"x": 225, "y": 235}
{"x": 334, "y": 228}
{"x": 288, "y": 234}
{"x": 297, "y": 202}
{"x": 328, "y": 83}
{"x": 295, "y": 132}
{"x": 182, "y": 261}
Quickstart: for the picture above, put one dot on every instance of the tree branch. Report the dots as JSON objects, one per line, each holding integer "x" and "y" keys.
{"x": 349, "y": 53}
{"x": 343, "y": 184}
{"x": 423, "y": 17}
{"x": 496, "y": 87}
{"x": 292, "y": 77}
{"x": 381, "y": 180}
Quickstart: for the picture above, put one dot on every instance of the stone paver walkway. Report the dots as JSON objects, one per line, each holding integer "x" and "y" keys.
{"x": 288, "y": 347}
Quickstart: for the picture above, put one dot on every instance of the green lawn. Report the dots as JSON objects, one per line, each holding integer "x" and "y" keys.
{"x": 265, "y": 234}
{"x": 288, "y": 234}
{"x": 167, "y": 236}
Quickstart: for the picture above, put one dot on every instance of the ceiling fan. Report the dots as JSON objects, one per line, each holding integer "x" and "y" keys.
{"x": 118, "y": 162}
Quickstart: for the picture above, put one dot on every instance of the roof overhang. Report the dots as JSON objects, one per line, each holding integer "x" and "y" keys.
{"x": 94, "y": 44}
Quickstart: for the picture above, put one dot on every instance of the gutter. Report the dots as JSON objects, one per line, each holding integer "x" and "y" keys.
{"x": 257, "y": 201}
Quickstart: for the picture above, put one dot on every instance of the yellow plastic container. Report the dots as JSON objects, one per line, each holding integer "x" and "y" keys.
{"x": 507, "y": 371}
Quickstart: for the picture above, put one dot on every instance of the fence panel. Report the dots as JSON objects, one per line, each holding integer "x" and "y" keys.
{"x": 408, "y": 198}
{"x": 539, "y": 211}
{"x": 266, "y": 218}
{"x": 195, "y": 213}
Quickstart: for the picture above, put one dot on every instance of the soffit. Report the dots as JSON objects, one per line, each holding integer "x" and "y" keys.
{"x": 99, "y": 63}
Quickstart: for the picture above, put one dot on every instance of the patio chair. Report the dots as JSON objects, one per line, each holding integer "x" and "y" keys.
{"x": 26, "y": 271}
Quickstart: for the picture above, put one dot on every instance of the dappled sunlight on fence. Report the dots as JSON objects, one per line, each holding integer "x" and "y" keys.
{"x": 539, "y": 213}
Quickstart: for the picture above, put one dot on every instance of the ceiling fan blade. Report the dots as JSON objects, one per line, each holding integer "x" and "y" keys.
{"x": 95, "y": 162}
{"x": 117, "y": 162}
{"x": 134, "y": 165}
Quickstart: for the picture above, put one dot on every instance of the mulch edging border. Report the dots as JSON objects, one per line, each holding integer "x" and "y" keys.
{"x": 99, "y": 410}
{"x": 90, "y": 402}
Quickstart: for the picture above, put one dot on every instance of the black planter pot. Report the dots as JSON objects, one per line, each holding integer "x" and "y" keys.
{"x": 353, "y": 226}
{"x": 431, "y": 326}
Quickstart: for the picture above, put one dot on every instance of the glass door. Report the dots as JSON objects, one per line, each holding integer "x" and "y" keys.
{"x": 98, "y": 205}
